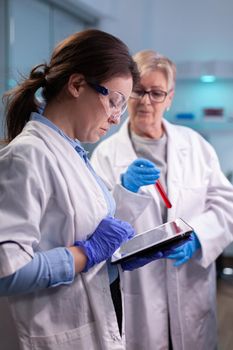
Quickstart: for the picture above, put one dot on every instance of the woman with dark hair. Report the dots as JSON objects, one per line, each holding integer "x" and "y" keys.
{"x": 57, "y": 225}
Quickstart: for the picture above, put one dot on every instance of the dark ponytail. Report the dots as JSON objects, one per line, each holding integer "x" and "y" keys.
{"x": 97, "y": 55}
{"x": 21, "y": 101}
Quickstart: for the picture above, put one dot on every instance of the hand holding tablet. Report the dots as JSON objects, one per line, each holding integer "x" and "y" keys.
{"x": 158, "y": 240}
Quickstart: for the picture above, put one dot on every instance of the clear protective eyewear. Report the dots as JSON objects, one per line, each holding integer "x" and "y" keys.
{"x": 115, "y": 104}
{"x": 154, "y": 95}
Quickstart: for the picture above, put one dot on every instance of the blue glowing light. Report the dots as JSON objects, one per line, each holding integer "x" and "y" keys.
{"x": 208, "y": 78}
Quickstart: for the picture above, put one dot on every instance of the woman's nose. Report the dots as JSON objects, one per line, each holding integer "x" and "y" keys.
{"x": 146, "y": 99}
{"x": 115, "y": 119}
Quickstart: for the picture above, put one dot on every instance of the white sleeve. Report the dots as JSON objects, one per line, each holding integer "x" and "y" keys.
{"x": 12, "y": 257}
{"x": 20, "y": 212}
{"x": 214, "y": 227}
{"x": 129, "y": 205}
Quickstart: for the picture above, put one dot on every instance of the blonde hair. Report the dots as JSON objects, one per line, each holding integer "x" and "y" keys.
{"x": 149, "y": 60}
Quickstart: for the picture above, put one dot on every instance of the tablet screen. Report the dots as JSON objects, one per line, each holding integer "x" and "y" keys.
{"x": 171, "y": 231}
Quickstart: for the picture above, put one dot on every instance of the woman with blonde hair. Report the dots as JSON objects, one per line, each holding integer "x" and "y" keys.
{"x": 169, "y": 303}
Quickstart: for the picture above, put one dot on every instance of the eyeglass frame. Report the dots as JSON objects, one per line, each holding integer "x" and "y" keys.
{"x": 105, "y": 92}
{"x": 166, "y": 93}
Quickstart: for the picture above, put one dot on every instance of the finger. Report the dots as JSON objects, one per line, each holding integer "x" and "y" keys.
{"x": 146, "y": 171}
{"x": 133, "y": 264}
{"x": 143, "y": 162}
{"x": 174, "y": 247}
{"x": 149, "y": 180}
{"x": 181, "y": 243}
{"x": 179, "y": 249}
{"x": 154, "y": 256}
{"x": 167, "y": 252}
{"x": 180, "y": 262}
{"x": 131, "y": 234}
{"x": 175, "y": 256}
{"x": 158, "y": 255}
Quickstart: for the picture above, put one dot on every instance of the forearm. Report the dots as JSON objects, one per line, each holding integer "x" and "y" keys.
{"x": 47, "y": 269}
{"x": 80, "y": 258}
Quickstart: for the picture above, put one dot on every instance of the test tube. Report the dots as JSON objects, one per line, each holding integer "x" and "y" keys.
{"x": 163, "y": 194}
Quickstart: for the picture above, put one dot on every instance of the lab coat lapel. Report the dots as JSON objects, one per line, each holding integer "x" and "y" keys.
{"x": 125, "y": 153}
{"x": 176, "y": 158}
{"x": 177, "y": 151}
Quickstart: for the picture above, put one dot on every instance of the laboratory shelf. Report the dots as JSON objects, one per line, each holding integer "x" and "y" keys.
{"x": 206, "y": 126}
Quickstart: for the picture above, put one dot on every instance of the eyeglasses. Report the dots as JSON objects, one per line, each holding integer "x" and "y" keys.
{"x": 154, "y": 95}
{"x": 116, "y": 102}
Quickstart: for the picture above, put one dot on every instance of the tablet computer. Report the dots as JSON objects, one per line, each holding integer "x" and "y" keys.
{"x": 158, "y": 239}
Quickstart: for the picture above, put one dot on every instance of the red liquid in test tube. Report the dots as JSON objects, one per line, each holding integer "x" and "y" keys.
{"x": 163, "y": 194}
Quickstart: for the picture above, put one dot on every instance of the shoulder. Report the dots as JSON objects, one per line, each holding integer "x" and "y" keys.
{"x": 189, "y": 137}
{"x": 107, "y": 146}
{"x": 110, "y": 144}
{"x": 27, "y": 153}
{"x": 180, "y": 129}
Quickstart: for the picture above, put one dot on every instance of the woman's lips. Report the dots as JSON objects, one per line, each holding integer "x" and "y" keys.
{"x": 143, "y": 112}
{"x": 103, "y": 131}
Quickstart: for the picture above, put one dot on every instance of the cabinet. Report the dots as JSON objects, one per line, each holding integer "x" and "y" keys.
{"x": 192, "y": 97}
{"x": 34, "y": 28}
{"x": 29, "y": 30}
{"x": 206, "y": 127}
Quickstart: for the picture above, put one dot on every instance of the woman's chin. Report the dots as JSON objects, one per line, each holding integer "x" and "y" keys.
{"x": 95, "y": 138}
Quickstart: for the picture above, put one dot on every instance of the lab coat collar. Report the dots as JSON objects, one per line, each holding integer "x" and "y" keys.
{"x": 75, "y": 143}
{"x": 174, "y": 135}
{"x": 177, "y": 151}
{"x": 125, "y": 153}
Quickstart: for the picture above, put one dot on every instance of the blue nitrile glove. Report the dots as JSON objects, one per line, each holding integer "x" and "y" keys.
{"x": 141, "y": 172}
{"x": 185, "y": 252}
{"x": 108, "y": 236}
{"x": 137, "y": 262}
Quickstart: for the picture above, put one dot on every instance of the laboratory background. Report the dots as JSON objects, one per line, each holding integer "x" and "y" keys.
{"x": 196, "y": 35}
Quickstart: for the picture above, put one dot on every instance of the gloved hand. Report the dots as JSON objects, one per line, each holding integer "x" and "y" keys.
{"x": 107, "y": 237}
{"x": 185, "y": 252}
{"x": 141, "y": 172}
{"x": 137, "y": 262}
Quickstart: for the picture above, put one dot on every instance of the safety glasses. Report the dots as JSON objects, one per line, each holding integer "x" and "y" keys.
{"x": 114, "y": 102}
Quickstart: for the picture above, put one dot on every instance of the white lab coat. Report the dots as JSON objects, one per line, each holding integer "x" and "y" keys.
{"x": 49, "y": 198}
{"x": 201, "y": 195}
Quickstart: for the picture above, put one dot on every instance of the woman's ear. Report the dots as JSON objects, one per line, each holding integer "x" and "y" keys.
{"x": 74, "y": 83}
{"x": 170, "y": 98}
